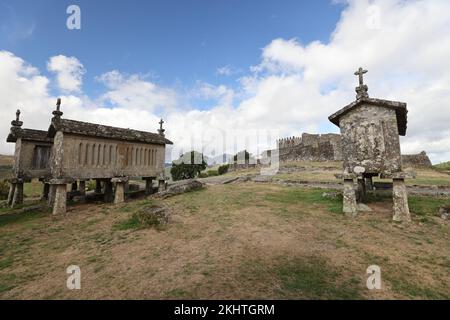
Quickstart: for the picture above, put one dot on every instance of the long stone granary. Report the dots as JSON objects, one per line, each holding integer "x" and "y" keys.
{"x": 84, "y": 151}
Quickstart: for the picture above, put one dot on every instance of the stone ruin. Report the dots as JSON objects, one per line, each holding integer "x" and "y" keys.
{"x": 370, "y": 130}
{"x": 327, "y": 147}
{"x": 73, "y": 152}
{"x": 310, "y": 147}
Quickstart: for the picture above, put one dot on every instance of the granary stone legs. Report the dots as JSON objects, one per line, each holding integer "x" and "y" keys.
{"x": 369, "y": 183}
{"x": 349, "y": 198}
{"x": 148, "y": 186}
{"x": 109, "y": 195}
{"x": 119, "y": 195}
{"x": 98, "y": 186}
{"x": 12, "y": 190}
{"x": 361, "y": 195}
{"x": 45, "y": 191}
{"x": 51, "y": 195}
{"x": 161, "y": 185}
{"x": 83, "y": 188}
{"x": 18, "y": 194}
{"x": 400, "y": 197}
{"x": 60, "y": 198}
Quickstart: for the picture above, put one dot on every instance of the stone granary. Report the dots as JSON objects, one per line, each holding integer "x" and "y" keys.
{"x": 31, "y": 159}
{"x": 370, "y": 130}
{"x": 83, "y": 151}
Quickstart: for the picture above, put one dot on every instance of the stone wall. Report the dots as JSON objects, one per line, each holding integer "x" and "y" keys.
{"x": 311, "y": 147}
{"x": 420, "y": 160}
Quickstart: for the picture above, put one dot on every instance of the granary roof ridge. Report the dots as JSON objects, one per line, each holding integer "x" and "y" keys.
{"x": 399, "y": 107}
{"x": 108, "y": 132}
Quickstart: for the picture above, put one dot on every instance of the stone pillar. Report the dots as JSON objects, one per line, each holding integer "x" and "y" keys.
{"x": 74, "y": 186}
{"x": 119, "y": 194}
{"x": 148, "y": 186}
{"x": 349, "y": 199}
{"x": 51, "y": 195}
{"x": 83, "y": 188}
{"x": 45, "y": 191}
{"x": 109, "y": 196}
{"x": 12, "y": 190}
{"x": 369, "y": 183}
{"x": 161, "y": 185}
{"x": 400, "y": 197}
{"x": 361, "y": 195}
{"x": 60, "y": 202}
{"x": 18, "y": 195}
{"x": 98, "y": 186}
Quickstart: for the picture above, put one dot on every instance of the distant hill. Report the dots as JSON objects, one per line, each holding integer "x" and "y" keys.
{"x": 6, "y": 160}
{"x": 443, "y": 166}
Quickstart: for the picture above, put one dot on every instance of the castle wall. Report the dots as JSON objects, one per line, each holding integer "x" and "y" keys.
{"x": 311, "y": 147}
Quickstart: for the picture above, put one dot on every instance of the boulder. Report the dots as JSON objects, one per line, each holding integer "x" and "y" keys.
{"x": 181, "y": 187}
{"x": 444, "y": 211}
{"x": 152, "y": 216}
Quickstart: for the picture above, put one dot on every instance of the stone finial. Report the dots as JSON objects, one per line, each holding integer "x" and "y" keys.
{"x": 17, "y": 123}
{"x": 361, "y": 90}
{"x": 58, "y": 113}
{"x": 161, "y": 130}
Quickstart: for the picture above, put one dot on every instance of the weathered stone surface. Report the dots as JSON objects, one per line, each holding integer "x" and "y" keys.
{"x": 119, "y": 196}
{"x": 12, "y": 190}
{"x": 59, "y": 206}
{"x": 363, "y": 207}
{"x": 400, "y": 197}
{"x": 18, "y": 195}
{"x": 153, "y": 216}
{"x": 349, "y": 199}
{"x": 181, "y": 187}
{"x": 444, "y": 211}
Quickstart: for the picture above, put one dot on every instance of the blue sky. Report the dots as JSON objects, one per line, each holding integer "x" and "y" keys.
{"x": 174, "y": 42}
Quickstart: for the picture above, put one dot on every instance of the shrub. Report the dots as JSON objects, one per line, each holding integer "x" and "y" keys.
{"x": 212, "y": 173}
{"x": 90, "y": 185}
{"x": 187, "y": 167}
{"x": 223, "y": 169}
{"x": 4, "y": 190}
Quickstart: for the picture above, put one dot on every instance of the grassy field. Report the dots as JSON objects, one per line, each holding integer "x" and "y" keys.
{"x": 241, "y": 241}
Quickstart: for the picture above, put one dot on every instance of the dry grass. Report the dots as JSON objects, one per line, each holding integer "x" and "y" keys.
{"x": 6, "y": 160}
{"x": 245, "y": 241}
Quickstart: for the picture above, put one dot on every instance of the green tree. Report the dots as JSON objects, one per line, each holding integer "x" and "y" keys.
{"x": 188, "y": 166}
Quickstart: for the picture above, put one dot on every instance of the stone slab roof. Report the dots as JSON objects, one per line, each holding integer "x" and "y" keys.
{"x": 399, "y": 107}
{"x": 28, "y": 134}
{"x": 101, "y": 131}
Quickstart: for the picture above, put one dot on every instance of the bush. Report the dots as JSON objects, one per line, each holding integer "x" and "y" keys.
{"x": 212, "y": 173}
{"x": 186, "y": 167}
{"x": 223, "y": 169}
{"x": 90, "y": 185}
{"x": 203, "y": 175}
{"x": 4, "y": 190}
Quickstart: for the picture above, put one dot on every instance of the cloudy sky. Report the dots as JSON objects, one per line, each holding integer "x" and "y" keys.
{"x": 226, "y": 73}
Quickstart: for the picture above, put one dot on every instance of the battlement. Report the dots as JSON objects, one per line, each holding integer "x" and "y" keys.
{"x": 312, "y": 147}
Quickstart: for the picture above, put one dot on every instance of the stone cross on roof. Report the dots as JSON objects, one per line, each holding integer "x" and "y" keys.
{"x": 161, "y": 130}
{"x": 360, "y": 73}
{"x": 17, "y": 122}
{"x": 361, "y": 90}
{"x": 58, "y": 113}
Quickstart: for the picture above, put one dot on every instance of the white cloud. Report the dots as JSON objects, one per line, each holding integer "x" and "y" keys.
{"x": 227, "y": 71}
{"x": 134, "y": 92}
{"x": 69, "y": 72}
{"x": 294, "y": 88}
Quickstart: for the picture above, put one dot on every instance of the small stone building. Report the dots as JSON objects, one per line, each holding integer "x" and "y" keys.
{"x": 31, "y": 159}
{"x": 370, "y": 130}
